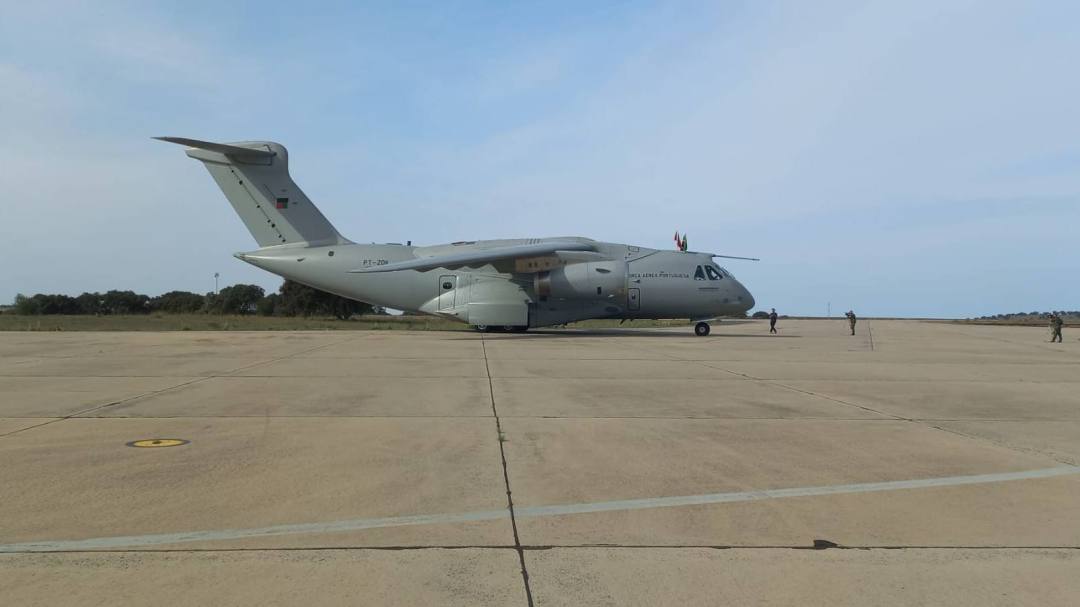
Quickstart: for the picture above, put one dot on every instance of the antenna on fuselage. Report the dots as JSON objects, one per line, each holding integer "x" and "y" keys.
{"x": 734, "y": 257}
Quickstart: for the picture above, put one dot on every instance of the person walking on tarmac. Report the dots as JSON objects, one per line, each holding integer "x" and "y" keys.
{"x": 1055, "y": 327}
{"x": 772, "y": 321}
{"x": 851, "y": 320}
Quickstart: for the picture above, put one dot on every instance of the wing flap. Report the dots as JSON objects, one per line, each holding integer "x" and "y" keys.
{"x": 477, "y": 257}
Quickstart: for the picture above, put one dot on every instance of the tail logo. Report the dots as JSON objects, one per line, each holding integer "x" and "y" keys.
{"x": 282, "y": 203}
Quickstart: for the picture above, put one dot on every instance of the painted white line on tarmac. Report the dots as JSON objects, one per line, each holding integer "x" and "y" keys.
{"x": 162, "y": 539}
{"x": 764, "y": 494}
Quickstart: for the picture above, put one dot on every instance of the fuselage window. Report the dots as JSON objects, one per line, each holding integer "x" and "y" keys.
{"x": 448, "y": 285}
{"x": 713, "y": 274}
{"x": 699, "y": 274}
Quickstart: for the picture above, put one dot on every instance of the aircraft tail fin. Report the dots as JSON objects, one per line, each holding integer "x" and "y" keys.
{"x": 254, "y": 176}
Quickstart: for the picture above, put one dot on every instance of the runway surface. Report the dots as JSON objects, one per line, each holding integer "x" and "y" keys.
{"x": 912, "y": 463}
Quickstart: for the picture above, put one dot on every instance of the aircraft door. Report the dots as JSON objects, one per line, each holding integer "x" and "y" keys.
{"x": 447, "y": 291}
{"x": 633, "y": 299}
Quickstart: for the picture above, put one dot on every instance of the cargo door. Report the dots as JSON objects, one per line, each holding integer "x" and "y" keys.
{"x": 447, "y": 291}
{"x": 633, "y": 299}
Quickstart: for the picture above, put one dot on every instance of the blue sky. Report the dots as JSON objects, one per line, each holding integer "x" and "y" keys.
{"x": 916, "y": 158}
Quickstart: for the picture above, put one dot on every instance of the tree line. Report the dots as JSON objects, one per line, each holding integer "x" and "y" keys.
{"x": 292, "y": 299}
{"x": 1030, "y": 315}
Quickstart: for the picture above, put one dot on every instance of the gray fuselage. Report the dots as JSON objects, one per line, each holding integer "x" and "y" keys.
{"x": 524, "y": 283}
{"x": 628, "y": 282}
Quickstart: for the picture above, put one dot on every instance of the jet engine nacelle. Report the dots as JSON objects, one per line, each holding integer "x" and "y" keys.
{"x": 592, "y": 280}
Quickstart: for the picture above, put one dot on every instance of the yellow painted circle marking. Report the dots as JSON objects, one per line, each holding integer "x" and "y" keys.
{"x": 158, "y": 442}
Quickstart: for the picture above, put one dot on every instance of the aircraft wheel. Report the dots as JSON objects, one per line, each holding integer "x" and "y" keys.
{"x": 482, "y": 328}
{"x": 701, "y": 329}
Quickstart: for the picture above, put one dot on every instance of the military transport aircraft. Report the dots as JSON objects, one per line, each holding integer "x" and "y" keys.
{"x": 489, "y": 284}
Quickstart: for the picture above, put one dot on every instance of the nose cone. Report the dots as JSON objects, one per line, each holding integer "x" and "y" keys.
{"x": 747, "y": 300}
{"x": 735, "y": 299}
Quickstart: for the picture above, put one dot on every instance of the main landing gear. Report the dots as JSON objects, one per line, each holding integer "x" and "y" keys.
{"x": 506, "y": 328}
{"x": 701, "y": 329}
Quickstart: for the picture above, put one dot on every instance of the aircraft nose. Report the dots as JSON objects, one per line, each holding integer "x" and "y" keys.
{"x": 736, "y": 298}
{"x": 747, "y": 298}
{"x": 743, "y": 298}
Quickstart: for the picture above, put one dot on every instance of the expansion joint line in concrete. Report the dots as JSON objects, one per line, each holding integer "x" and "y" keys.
{"x": 777, "y": 384}
{"x": 1042, "y": 346}
{"x": 285, "y": 357}
{"x": 925, "y": 423}
{"x": 111, "y": 404}
{"x": 546, "y": 547}
{"x": 506, "y": 475}
{"x": 552, "y": 510}
{"x": 998, "y": 443}
{"x": 867, "y": 547}
{"x": 917, "y": 421}
{"x": 832, "y": 399}
{"x": 169, "y": 389}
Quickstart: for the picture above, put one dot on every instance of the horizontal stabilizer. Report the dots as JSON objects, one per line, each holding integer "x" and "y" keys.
{"x": 478, "y": 257}
{"x": 221, "y": 148}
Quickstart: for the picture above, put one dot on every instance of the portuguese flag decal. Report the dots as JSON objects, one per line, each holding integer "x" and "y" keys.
{"x": 282, "y": 203}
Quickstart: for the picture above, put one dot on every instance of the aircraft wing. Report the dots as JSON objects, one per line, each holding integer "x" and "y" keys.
{"x": 478, "y": 257}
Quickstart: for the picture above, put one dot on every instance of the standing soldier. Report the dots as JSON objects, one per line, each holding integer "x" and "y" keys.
{"x": 1055, "y": 327}
{"x": 772, "y": 321}
{"x": 851, "y": 320}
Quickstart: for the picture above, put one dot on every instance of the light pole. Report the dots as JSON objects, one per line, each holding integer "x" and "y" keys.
{"x": 215, "y": 283}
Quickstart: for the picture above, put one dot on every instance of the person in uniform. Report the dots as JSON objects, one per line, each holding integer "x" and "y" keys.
{"x": 851, "y": 320}
{"x": 772, "y": 321}
{"x": 1055, "y": 327}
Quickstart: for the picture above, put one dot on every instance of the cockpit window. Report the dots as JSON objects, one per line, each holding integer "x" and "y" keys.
{"x": 723, "y": 271}
{"x": 699, "y": 274}
{"x": 713, "y": 273}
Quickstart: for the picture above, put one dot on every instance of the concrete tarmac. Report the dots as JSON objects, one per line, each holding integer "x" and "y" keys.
{"x": 930, "y": 463}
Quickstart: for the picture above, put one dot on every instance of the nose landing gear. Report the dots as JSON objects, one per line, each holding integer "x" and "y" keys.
{"x": 701, "y": 329}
